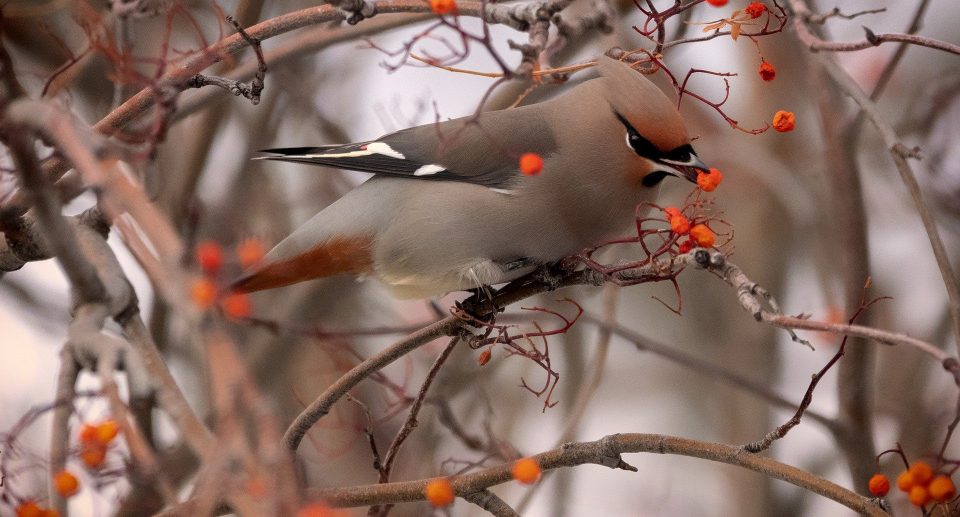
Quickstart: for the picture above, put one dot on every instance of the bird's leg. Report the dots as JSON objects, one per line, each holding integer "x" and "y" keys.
{"x": 479, "y": 312}
{"x": 551, "y": 274}
{"x": 480, "y": 296}
{"x": 520, "y": 263}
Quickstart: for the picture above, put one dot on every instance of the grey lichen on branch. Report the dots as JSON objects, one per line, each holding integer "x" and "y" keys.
{"x": 355, "y": 11}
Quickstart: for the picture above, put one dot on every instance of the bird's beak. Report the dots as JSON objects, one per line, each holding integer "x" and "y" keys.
{"x": 688, "y": 169}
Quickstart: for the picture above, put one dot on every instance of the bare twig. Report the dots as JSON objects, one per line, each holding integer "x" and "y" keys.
{"x": 250, "y": 91}
{"x": 706, "y": 367}
{"x": 321, "y": 406}
{"x": 490, "y": 502}
{"x": 900, "y": 153}
{"x": 411, "y": 422}
{"x": 820, "y": 19}
{"x": 60, "y": 433}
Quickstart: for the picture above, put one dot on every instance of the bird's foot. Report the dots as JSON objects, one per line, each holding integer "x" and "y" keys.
{"x": 479, "y": 315}
{"x": 481, "y": 304}
{"x": 551, "y": 275}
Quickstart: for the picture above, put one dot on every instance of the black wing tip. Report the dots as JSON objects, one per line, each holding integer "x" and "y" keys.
{"x": 291, "y": 151}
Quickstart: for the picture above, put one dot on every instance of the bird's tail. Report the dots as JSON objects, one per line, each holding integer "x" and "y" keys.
{"x": 337, "y": 255}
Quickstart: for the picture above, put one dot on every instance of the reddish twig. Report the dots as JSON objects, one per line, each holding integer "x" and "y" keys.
{"x": 782, "y": 430}
{"x": 411, "y": 421}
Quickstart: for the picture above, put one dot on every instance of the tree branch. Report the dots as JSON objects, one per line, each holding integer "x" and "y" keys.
{"x": 606, "y": 452}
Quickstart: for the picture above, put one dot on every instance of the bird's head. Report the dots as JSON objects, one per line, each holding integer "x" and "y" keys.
{"x": 652, "y": 127}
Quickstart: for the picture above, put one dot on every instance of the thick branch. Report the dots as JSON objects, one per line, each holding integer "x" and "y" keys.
{"x": 750, "y": 296}
{"x": 58, "y": 235}
{"x": 606, "y": 452}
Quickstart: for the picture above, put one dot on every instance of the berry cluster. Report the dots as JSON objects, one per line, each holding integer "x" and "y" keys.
{"x": 783, "y": 121}
{"x": 95, "y": 440}
{"x": 697, "y": 234}
{"x": 205, "y": 292}
{"x": 921, "y": 484}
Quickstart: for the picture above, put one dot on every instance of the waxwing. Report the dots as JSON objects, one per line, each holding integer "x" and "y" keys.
{"x": 448, "y": 208}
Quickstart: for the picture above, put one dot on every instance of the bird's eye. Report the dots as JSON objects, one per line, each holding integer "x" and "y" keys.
{"x": 639, "y": 144}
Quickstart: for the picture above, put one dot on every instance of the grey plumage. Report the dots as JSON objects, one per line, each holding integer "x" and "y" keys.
{"x": 606, "y": 144}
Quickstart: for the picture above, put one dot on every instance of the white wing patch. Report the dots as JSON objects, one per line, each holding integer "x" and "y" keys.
{"x": 427, "y": 170}
{"x": 367, "y": 150}
{"x": 502, "y": 191}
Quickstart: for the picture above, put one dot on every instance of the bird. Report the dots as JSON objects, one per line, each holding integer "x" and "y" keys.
{"x": 448, "y": 208}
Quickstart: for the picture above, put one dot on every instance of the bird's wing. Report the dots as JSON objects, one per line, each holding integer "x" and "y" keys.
{"x": 483, "y": 150}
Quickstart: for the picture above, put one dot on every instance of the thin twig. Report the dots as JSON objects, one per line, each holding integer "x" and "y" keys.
{"x": 321, "y": 406}
{"x": 899, "y": 153}
{"x": 411, "y": 422}
{"x": 490, "y": 502}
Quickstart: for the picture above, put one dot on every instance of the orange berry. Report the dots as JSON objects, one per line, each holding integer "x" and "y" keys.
{"x": 320, "y": 510}
{"x": 439, "y": 492}
{"x": 941, "y": 489}
{"x": 29, "y": 509}
{"x": 49, "y": 512}
{"x": 687, "y": 245}
{"x": 703, "y": 236}
{"x": 442, "y": 7}
{"x": 531, "y": 164}
{"x": 210, "y": 257}
{"x": 679, "y": 224}
{"x": 922, "y": 473}
{"x": 484, "y": 357}
{"x": 717, "y": 3}
{"x": 237, "y": 305}
{"x": 66, "y": 483}
{"x": 905, "y": 481}
{"x": 879, "y": 485}
{"x": 919, "y": 495}
{"x": 784, "y": 121}
{"x": 671, "y": 211}
{"x": 256, "y": 487}
{"x": 709, "y": 181}
{"x": 93, "y": 454}
{"x": 203, "y": 292}
{"x": 526, "y": 471}
{"x": 755, "y": 9}
{"x": 767, "y": 71}
{"x": 107, "y": 431}
{"x": 88, "y": 433}
{"x": 249, "y": 252}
